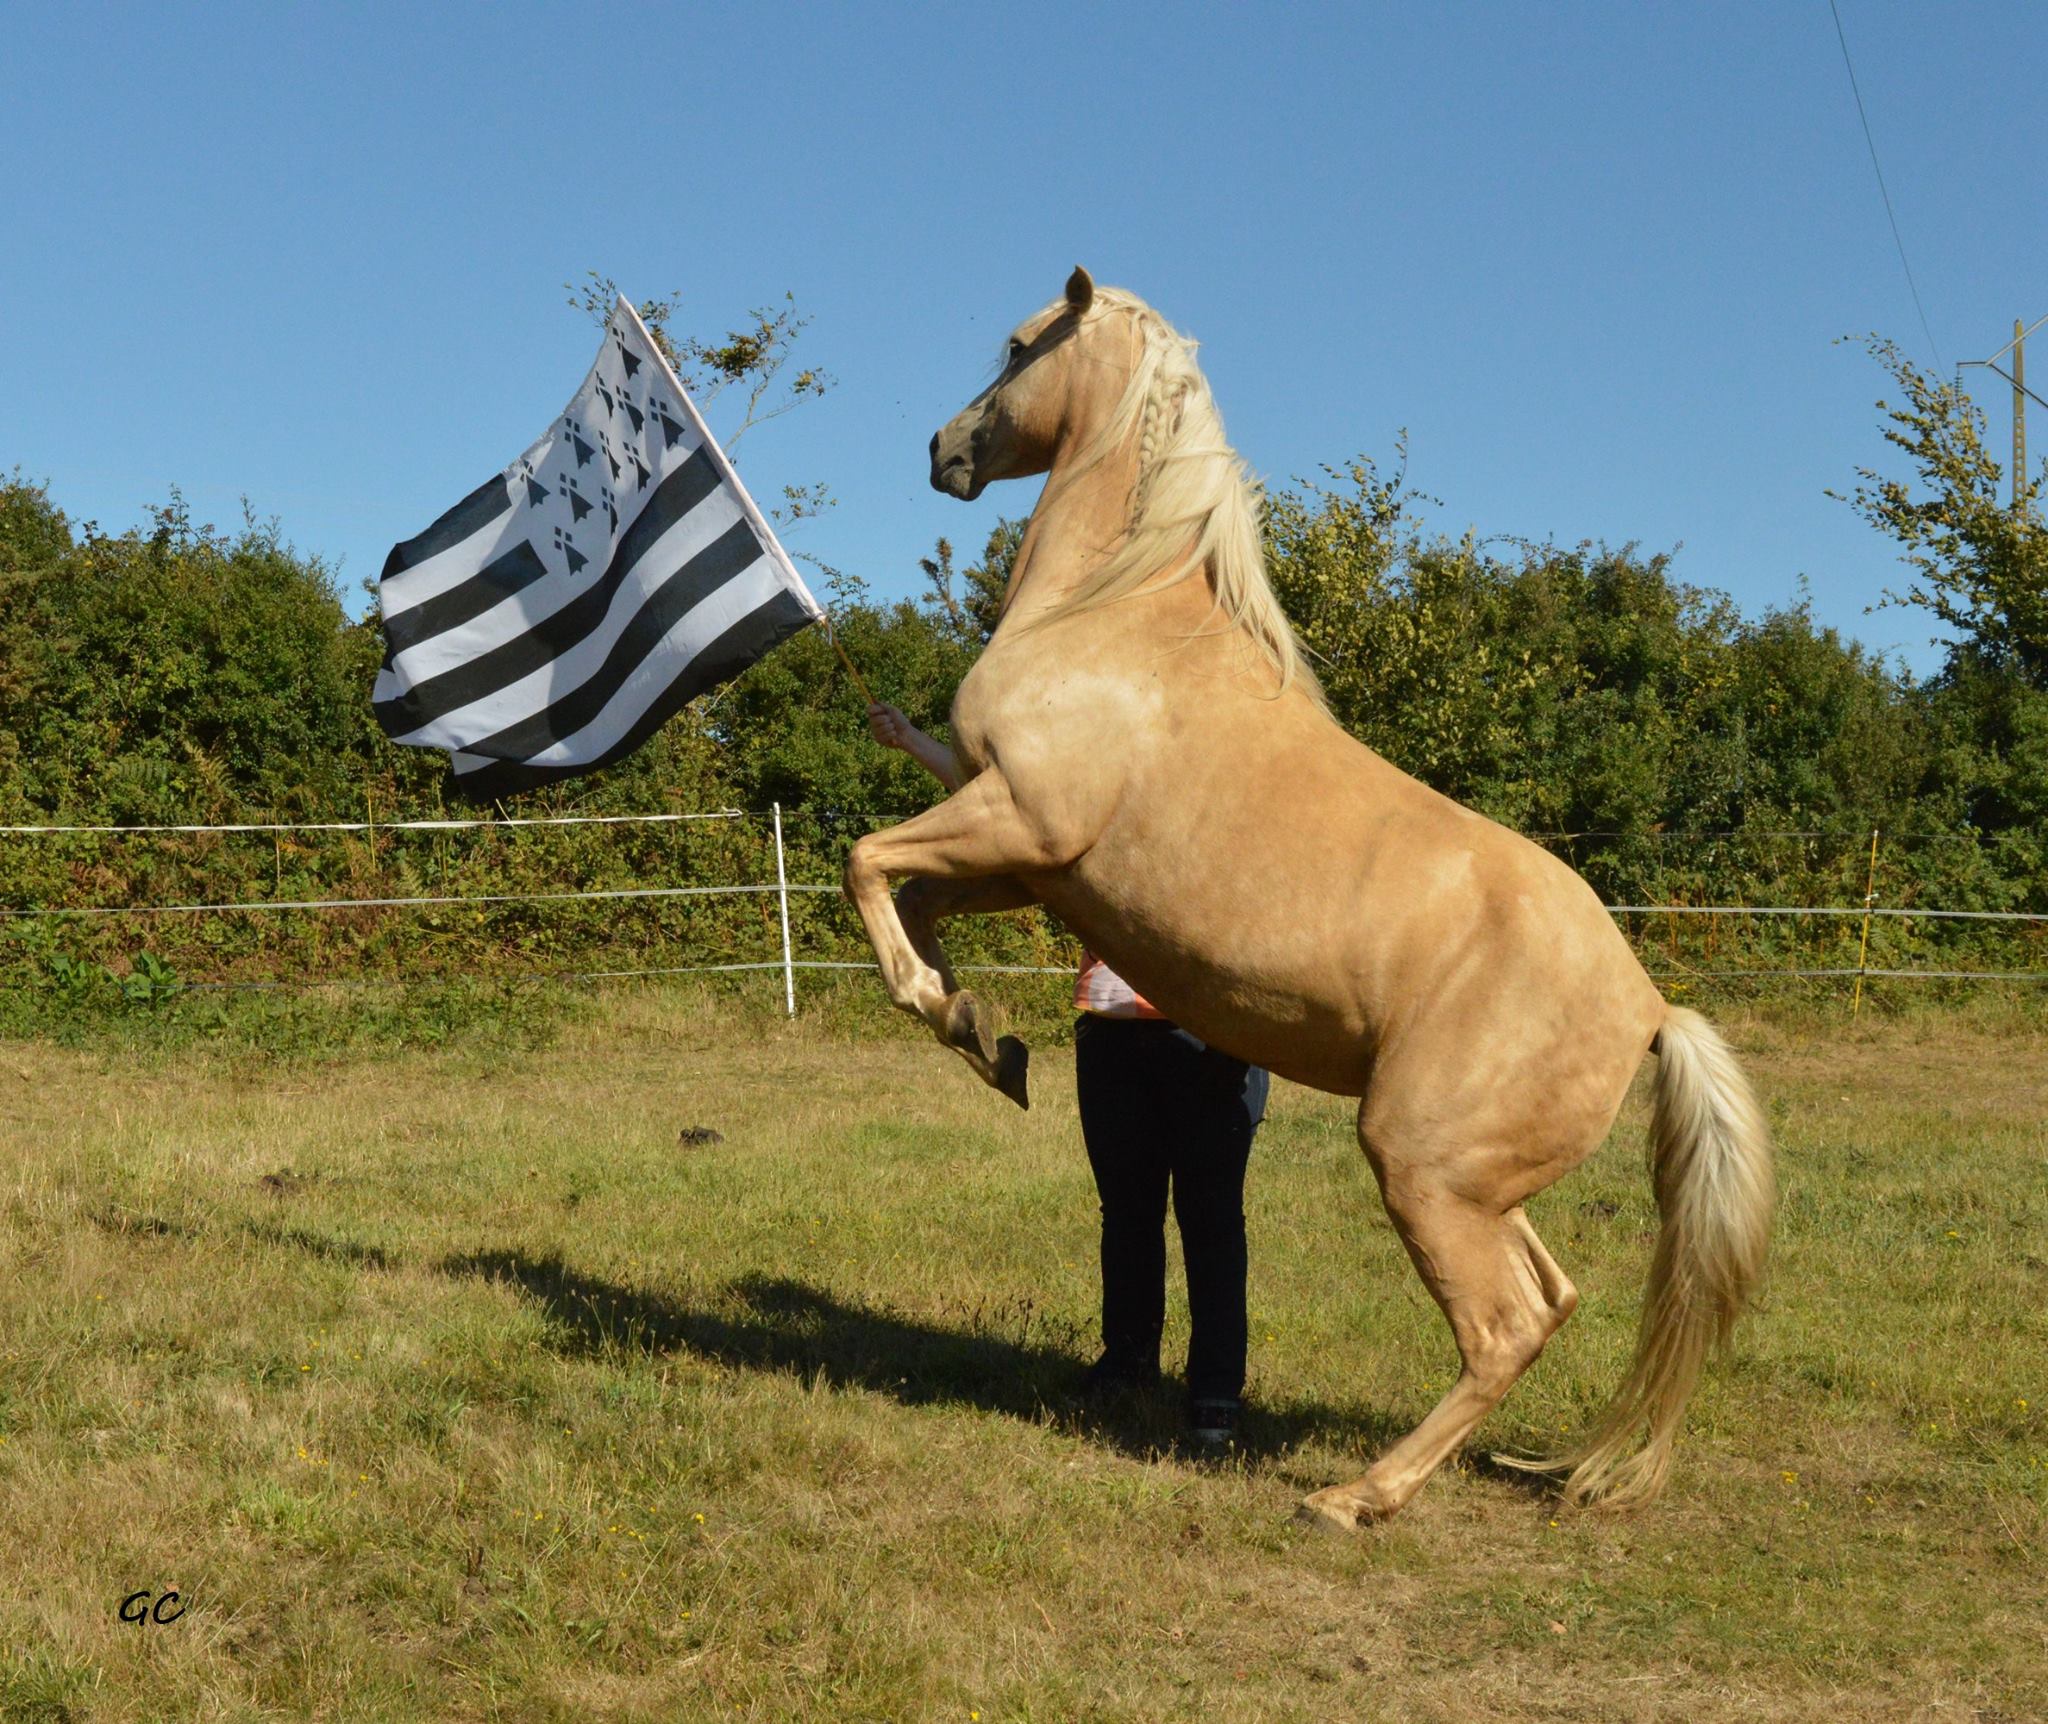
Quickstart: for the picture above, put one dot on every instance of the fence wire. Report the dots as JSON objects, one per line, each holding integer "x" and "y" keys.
{"x": 830, "y": 822}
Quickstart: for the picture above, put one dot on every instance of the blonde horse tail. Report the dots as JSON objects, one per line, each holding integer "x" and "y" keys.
{"x": 1710, "y": 1159}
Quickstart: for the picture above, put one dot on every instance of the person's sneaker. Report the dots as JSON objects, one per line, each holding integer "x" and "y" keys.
{"x": 1111, "y": 1377}
{"x": 1212, "y": 1424}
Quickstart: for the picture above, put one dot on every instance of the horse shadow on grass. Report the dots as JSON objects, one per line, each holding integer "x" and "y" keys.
{"x": 989, "y": 1360}
{"x": 758, "y": 1322}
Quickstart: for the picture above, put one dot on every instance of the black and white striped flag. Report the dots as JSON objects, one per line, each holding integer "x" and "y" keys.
{"x": 561, "y": 613}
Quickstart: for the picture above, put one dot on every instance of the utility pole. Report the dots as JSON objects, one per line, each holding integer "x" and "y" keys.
{"x": 2019, "y": 412}
{"x": 2021, "y": 395}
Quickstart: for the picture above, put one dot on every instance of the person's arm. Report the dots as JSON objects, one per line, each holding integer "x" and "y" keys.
{"x": 892, "y": 730}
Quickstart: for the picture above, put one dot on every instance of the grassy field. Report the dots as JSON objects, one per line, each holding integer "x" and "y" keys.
{"x": 450, "y": 1384}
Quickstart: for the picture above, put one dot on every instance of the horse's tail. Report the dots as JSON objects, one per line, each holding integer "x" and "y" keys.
{"x": 1710, "y": 1158}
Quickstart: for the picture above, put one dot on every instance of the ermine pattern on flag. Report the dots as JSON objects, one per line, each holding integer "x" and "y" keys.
{"x": 563, "y": 611}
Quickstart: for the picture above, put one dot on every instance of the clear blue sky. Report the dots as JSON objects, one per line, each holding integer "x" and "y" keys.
{"x": 1593, "y": 257}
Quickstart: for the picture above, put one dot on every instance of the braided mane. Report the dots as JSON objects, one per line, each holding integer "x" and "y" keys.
{"x": 1194, "y": 505}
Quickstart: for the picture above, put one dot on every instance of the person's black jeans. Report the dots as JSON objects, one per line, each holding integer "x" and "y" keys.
{"x": 1159, "y": 1107}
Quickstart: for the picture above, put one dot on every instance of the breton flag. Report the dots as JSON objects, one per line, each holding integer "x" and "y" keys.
{"x": 562, "y": 612}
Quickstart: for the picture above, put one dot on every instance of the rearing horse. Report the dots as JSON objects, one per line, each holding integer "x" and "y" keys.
{"x": 1146, "y": 754}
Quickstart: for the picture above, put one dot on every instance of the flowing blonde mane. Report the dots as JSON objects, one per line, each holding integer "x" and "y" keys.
{"x": 1193, "y": 500}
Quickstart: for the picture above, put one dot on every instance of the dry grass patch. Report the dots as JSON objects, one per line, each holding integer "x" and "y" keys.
{"x": 453, "y": 1385}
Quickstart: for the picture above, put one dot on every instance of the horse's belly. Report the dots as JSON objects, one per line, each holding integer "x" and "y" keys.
{"x": 1272, "y": 1001}
{"x": 1466, "y": 958}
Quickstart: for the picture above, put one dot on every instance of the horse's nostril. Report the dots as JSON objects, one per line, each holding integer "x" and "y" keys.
{"x": 935, "y": 445}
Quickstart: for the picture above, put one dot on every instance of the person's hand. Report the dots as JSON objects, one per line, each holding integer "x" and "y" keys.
{"x": 892, "y": 730}
{"x": 888, "y": 726}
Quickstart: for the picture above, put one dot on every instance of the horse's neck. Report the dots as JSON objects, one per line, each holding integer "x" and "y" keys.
{"x": 1080, "y": 520}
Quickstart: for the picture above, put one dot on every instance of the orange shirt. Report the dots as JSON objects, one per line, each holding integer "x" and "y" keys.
{"x": 1100, "y": 990}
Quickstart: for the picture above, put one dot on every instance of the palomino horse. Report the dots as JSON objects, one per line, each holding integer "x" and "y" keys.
{"x": 1146, "y": 754}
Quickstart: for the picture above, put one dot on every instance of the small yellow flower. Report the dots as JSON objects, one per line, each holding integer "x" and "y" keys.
{"x": 700, "y": 1520}
{"x": 1789, "y": 1478}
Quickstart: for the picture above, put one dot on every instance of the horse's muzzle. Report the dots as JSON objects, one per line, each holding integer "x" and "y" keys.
{"x": 955, "y": 470}
{"x": 955, "y": 477}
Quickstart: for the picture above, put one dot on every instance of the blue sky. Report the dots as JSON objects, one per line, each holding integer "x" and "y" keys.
{"x": 1594, "y": 258}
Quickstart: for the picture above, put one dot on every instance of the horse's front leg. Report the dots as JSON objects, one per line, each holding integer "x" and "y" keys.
{"x": 927, "y": 901}
{"x": 922, "y": 904}
{"x": 967, "y": 847}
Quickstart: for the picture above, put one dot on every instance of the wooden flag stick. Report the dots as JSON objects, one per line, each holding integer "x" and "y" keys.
{"x": 859, "y": 682}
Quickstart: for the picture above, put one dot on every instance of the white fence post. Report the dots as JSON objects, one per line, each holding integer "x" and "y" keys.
{"x": 782, "y": 895}
{"x": 1863, "y": 951}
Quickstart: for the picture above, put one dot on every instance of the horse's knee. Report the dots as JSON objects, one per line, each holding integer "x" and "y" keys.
{"x": 860, "y": 876}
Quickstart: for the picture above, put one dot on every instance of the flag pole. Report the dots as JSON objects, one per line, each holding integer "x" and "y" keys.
{"x": 859, "y": 682}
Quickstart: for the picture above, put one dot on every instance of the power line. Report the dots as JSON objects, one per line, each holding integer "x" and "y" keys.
{"x": 1842, "y": 37}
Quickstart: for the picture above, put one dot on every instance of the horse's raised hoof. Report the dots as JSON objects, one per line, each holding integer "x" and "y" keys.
{"x": 1013, "y": 1067}
{"x": 969, "y": 1026}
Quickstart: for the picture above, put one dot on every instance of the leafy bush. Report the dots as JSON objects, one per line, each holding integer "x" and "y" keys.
{"x": 1675, "y": 751}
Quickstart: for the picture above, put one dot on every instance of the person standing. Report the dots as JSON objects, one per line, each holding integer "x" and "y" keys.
{"x": 1163, "y": 1115}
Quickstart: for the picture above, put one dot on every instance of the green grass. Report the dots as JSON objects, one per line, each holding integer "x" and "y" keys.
{"x": 442, "y": 1382}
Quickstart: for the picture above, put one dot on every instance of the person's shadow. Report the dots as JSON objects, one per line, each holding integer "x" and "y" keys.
{"x": 774, "y": 1323}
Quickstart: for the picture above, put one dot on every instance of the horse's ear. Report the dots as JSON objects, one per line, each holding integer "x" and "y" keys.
{"x": 1080, "y": 290}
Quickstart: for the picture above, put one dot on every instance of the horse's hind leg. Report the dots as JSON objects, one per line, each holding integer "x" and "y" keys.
{"x": 1504, "y": 1297}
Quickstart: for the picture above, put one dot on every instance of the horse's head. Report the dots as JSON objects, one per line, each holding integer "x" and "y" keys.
{"x": 1015, "y": 426}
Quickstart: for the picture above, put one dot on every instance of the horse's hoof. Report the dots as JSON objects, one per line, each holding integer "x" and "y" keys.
{"x": 970, "y": 1027}
{"x": 1339, "y": 1509}
{"x": 1013, "y": 1067}
{"x": 1324, "y": 1517}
